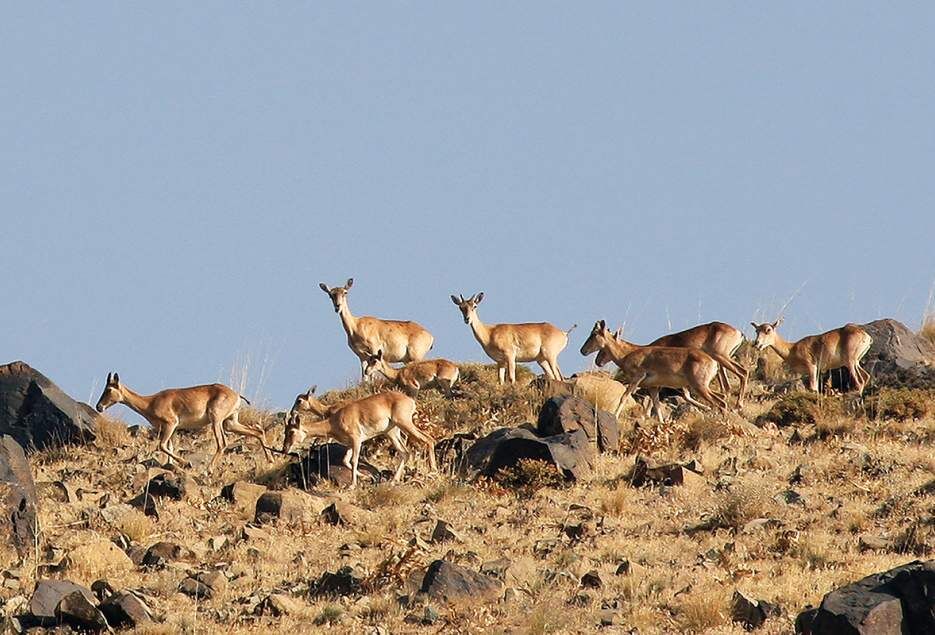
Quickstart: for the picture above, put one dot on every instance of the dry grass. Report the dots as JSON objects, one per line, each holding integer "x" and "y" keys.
{"x": 928, "y": 327}
{"x": 110, "y": 433}
{"x": 690, "y": 547}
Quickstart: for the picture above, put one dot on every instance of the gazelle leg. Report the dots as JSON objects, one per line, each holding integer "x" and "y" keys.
{"x": 422, "y": 437}
{"x": 393, "y": 434}
{"x": 217, "y": 425}
{"x": 233, "y": 425}
{"x": 632, "y": 388}
{"x": 813, "y": 379}
{"x": 166, "y": 431}
{"x": 511, "y": 368}
{"x": 355, "y": 459}
{"x": 501, "y": 372}
{"x": 556, "y": 370}
{"x": 547, "y": 368}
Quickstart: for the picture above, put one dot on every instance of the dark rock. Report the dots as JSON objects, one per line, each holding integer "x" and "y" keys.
{"x": 36, "y": 413}
{"x": 451, "y": 452}
{"x": 901, "y": 600}
{"x": 75, "y": 609}
{"x": 162, "y": 553}
{"x": 168, "y": 486}
{"x": 290, "y": 506}
{"x": 339, "y": 513}
{"x": 279, "y": 604}
{"x": 345, "y": 581}
{"x": 324, "y": 463}
{"x": 897, "y": 357}
{"x": 204, "y": 585}
{"x": 559, "y": 415}
{"x": 124, "y": 609}
{"x": 751, "y": 613}
{"x": 447, "y": 581}
{"x": 145, "y": 503}
{"x": 49, "y": 593}
{"x": 443, "y": 532}
{"x": 592, "y": 580}
{"x": 18, "y": 501}
{"x": 243, "y": 495}
{"x": 102, "y": 590}
{"x": 571, "y": 452}
{"x": 670, "y": 474}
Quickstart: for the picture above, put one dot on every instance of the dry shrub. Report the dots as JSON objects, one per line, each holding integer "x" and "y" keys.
{"x": 530, "y": 475}
{"x": 330, "y": 615}
{"x": 546, "y": 617}
{"x": 110, "y": 433}
{"x": 928, "y": 327}
{"x": 899, "y": 404}
{"x": 700, "y": 429}
{"x": 136, "y": 526}
{"x": 815, "y": 550}
{"x": 829, "y": 427}
{"x": 739, "y": 505}
{"x": 387, "y": 495}
{"x": 615, "y": 501}
{"x": 801, "y": 408}
{"x": 698, "y": 612}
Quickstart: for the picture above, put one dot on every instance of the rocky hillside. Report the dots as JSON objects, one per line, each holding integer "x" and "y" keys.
{"x": 715, "y": 523}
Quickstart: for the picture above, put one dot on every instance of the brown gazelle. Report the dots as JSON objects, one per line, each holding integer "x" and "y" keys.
{"x": 507, "y": 344}
{"x": 194, "y": 408}
{"x": 400, "y": 341}
{"x": 353, "y": 423}
{"x": 841, "y": 348}
{"x": 714, "y": 338}
{"x": 413, "y": 377}
{"x": 656, "y": 367}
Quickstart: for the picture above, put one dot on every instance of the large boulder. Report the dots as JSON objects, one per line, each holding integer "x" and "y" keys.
{"x": 36, "y": 413}
{"x": 567, "y": 414}
{"x": 18, "y": 504}
{"x": 899, "y": 601}
{"x": 570, "y": 452}
{"x": 325, "y": 463}
{"x": 898, "y": 357}
{"x": 446, "y": 581}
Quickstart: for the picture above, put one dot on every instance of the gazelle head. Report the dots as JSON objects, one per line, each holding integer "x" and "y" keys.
{"x": 597, "y": 340}
{"x": 305, "y": 402}
{"x": 374, "y": 364}
{"x": 468, "y": 307}
{"x": 765, "y": 334}
{"x": 113, "y": 393}
{"x": 338, "y": 295}
{"x": 603, "y": 355}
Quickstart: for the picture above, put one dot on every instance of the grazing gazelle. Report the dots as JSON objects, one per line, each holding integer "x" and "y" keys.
{"x": 841, "y": 348}
{"x": 400, "y": 341}
{"x": 415, "y": 376}
{"x": 656, "y": 367}
{"x": 507, "y": 344}
{"x": 353, "y": 423}
{"x": 193, "y": 408}
{"x": 714, "y": 338}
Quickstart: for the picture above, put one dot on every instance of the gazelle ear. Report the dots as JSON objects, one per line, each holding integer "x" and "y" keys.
{"x": 350, "y": 283}
{"x": 323, "y": 287}
{"x": 379, "y": 355}
{"x": 777, "y": 322}
{"x": 601, "y": 324}
{"x": 754, "y": 325}
{"x": 116, "y": 379}
{"x": 311, "y": 391}
{"x": 109, "y": 378}
{"x": 479, "y": 297}
{"x": 455, "y": 300}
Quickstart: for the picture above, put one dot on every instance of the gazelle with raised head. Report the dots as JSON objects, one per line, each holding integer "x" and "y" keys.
{"x": 714, "y": 338}
{"x": 414, "y": 376}
{"x": 507, "y": 344}
{"x": 194, "y": 408}
{"x": 656, "y": 367}
{"x": 840, "y": 348}
{"x": 353, "y": 423}
{"x": 400, "y": 341}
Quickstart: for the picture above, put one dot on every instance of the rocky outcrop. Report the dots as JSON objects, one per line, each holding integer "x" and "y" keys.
{"x": 447, "y": 581}
{"x": 567, "y": 414}
{"x": 571, "y": 452}
{"x": 898, "y": 358}
{"x": 18, "y": 503}
{"x": 325, "y": 463}
{"x": 36, "y": 413}
{"x": 901, "y": 600}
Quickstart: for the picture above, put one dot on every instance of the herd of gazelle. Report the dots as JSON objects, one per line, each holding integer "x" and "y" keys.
{"x": 688, "y": 361}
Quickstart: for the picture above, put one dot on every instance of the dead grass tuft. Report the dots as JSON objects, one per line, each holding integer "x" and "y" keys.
{"x": 899, "y": 404}
{"x": 701, "y": 429}
{"x": 740, "y": 504}
{"x": 110, "y": 433}
{"x": 136, "y": 526}
{"x": 530, "y": 475}
{"x": 699, "y": 612}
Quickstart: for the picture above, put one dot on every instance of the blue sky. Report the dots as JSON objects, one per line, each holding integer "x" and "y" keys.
{"x": 176, "y": 179}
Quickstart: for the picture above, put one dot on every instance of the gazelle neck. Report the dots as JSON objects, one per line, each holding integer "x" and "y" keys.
{"x": 347, "y": 319}
{"x": 481, "y": 330}
{"x": 135, "y": 401}
{"x": 318, "y": 428}
{"x": 619, "y": 348}
{"x": 388, "y": 371}
{"x": 781, "y": 346}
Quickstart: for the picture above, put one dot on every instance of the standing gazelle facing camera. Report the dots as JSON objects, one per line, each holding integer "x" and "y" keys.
{"x": 192, "y": 408}
{"x": 507, "y": 344}
{"x": 840, "y": 348}
{"x": 400, "y": 341}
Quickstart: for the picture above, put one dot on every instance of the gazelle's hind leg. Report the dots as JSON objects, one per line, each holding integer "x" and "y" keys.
{"x": 396, "y": 440}
{"x": 705, "y": 393}
{"x": 511, "y": 369}
{"x": 723, "y": 381}
{"x": 232, "y": 424}
{"x": 217, "y": 426}
{"x": 406, "y": 425}
{"x": 501, "y": 373}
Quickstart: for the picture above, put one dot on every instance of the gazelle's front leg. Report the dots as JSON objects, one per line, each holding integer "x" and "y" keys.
{"x": 813, "y": 379}
{"x": 501, "y": 372}
{"x": 511, "y": 368}
{"x": 355, "y": 459}
{"x": 217, "y": 426}
{"x": 166, "y": 430}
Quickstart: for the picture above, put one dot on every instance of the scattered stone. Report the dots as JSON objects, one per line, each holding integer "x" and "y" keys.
{"x": 876, "y": 543}
{"x": 162, "y": 553}
{"x": 216, "y": 543}
{"x": 571, "y": 452}
{"x": 254, "y": 533}
{"x": 58, "y": 491}
{"x": 592, "y": 580}
{"x": 758, "y": 524}
{"x": 18, "y": 500}
{"x": 896, "y": 601}
{"x": 628, "y": 567}
{"x": 325, "y": 463}
{"x": 75, "y": 609}
{"x": 752, "y": 613}
{"x": 169, "y": 486}
{"x": 279, "y": 604}
{"x": 146, "y": 503}
{"x": 559, "y": 415}
{"x": 345, "y": 581}
{"x": 579, "y": 531}
{"x": 789, "y": 497}
{"x": 289, "y": 506}
{"x": 49, "y": 593}
{"x": 430, "y": 615}
{"x": 242, "y": 495}
{"x": 510, "y": 595}
{"x": 124, "y": 609}
{"x": 609, "y": 617}
{"x": 446, "y": 581}
{"x": 37, "y": 414}
{"x": 800, "y": 474}
{"x": 443, "y": 533}
{"x": 670, "y": 474}
{"x": 112, "y": 514}
{"x": 102, "y": 590}
{"x": 340, "y": 513}
{"x": 204, "y": 585}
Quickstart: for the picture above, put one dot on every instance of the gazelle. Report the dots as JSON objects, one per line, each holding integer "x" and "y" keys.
{"x": 353, "y": 423}
{"x": 400, "y": 341}
{"x": 658, "y": 367}
{"x": 192, "y": 408}
{"x": 415, "y": 376}
{"x": 507, "y": 344}
{"x": 714, "y": 338}
{"x": 841, "y": 348}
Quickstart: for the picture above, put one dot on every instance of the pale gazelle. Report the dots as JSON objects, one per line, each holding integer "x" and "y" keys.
{"x": 656, "y": 367}
{"x": 353, "y": 423}
{"x": 841, "y": 348}
{"x": 714, "y": 338}
{"x": 507, "y": 344}
{"x": 415, "y": 376}
{"x": 400, "y": 341}
{"x": 193, "y": 408}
